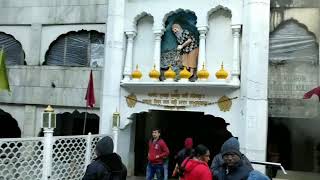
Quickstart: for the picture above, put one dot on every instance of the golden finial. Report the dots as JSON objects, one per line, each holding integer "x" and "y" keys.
{"x": 136, "y": 75}
{"x": 203, "y": 74}
{"x": 222, "y": 74}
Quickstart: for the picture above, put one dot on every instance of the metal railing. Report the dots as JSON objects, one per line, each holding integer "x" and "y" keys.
{"x": 49, "y": 157}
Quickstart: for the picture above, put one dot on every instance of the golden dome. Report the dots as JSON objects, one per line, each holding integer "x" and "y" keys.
{"x": 222, "y": 74}
{"x": 203, "y": 74}
{"x": 136, "y": 74}
{"x": 169, "y": 74}
{"x": 185, "y": 74}
{"x": 154, "y": 74}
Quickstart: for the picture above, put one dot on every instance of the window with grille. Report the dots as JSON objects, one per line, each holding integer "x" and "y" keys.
{"x": 13, "y": 49}
{"x": 82, "y": 48}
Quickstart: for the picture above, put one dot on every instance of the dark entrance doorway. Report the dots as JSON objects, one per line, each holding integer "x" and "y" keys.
{"x": 73, "y": 123}
{"x": 9, "y": 126}
{"x": 176, "y": 126}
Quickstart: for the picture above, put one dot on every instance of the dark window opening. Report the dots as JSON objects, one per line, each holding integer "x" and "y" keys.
{"x": 12, "y": 49}
{"x": 73, "y": 123}
{"x": 9, "y": 126}
{"x": 82, "y": 48}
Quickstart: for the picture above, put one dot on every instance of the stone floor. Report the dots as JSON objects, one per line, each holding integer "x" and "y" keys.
{"x": 135, "y": 178}
{"x": 140, "y": 178}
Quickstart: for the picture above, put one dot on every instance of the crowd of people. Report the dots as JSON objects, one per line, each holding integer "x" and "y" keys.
{"x": 191, "y": 163}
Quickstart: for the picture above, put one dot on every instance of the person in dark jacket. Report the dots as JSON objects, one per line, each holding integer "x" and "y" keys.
{"x": 256, "y": 175}
{"x": 107, "y": 165}
{"x": 235, "y": 165}
{"x": 218, "y": 162}
{"x": 183, "y": 154}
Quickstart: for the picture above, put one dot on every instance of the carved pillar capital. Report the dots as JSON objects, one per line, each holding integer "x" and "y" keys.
{"x": 203, "y": 30}
{"x": 130, "y": 35}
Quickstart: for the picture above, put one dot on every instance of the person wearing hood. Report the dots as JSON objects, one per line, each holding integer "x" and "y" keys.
{"x": 107, "y": 165}
{"x": 196, "y": 167}
{"x": 235, "y": 164}
{"x": 183, "y": 154}
{"x": 217, "y": 165}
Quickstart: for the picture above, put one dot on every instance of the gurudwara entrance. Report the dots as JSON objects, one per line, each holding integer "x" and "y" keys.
{"x": 175, "y": 127}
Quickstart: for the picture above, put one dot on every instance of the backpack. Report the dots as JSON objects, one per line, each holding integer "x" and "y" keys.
{"x": 182, "y": 168}
{"x": 109, "y": 174}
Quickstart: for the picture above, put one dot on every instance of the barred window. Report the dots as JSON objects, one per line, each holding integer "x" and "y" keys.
{"x": 82, "y": 48}
{"x": 13, "y": 49}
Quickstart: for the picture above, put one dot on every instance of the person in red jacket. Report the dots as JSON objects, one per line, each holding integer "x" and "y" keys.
{"x": 196, "y": 166}
{"x": 158, "y": 151}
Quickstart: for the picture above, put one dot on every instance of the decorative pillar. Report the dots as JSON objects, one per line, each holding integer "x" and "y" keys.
{"x": 129, "y": 56}
{"x": 157, "y": 48}
{"x": 87, "y": 155}
{"x": 235, "y": 73}
{"x": 48, "y": 124}
{"x": 47, "y": 152}
{"x": 202, "y": 46}
{"x": 113, "y": 64}
{"x": 254, "y": 79}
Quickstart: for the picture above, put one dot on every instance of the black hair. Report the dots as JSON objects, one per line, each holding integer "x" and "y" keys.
{"x": 156, "y": 129}
{"x": 200, "y": 150}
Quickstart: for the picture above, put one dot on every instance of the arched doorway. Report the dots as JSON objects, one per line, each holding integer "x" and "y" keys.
{"x": 176, "y": 126}
{"x": 73, "y": 123}
{"x": 9, "y": 126}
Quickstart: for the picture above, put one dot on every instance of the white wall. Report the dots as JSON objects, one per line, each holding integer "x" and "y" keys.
{"x": 52, "y": 11}
{"x": 160, "y": 10}
{"x": 144, "y": 46}
{"x": 219, "y": 44}
{"x": 33, "y": 85}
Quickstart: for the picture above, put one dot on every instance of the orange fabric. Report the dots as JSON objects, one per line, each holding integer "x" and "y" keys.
{"x": 190, "y": 60}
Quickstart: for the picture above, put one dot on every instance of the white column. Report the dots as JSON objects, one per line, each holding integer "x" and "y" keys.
{"x": 235, "y": 73}
{"x": 157, "y": 48}
{"x": 254, "y": 79}
{"x": 115, "y": 138}
{"x": 47, "y": 153}
{"x": 112, "y": 71}
{"x": 202, "y": 46}
{"x": 129, "y": 56}
{"x": 88, "y": 152}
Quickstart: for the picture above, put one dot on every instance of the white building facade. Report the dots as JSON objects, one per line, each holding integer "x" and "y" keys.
{"x": 235, "y": 33}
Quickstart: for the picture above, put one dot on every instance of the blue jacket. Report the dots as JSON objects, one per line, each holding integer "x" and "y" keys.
{"x": 256, "y": 175}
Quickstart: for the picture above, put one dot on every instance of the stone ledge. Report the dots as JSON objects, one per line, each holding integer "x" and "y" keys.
{"x": 216, "y": 84}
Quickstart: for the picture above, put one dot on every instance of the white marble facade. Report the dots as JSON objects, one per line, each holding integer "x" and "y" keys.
{"x": 230, "y": 31}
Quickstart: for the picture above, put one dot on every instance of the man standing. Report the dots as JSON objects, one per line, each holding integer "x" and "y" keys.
{"x": 188, "y": 47}
{"x": 158, "y": 151}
